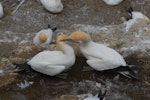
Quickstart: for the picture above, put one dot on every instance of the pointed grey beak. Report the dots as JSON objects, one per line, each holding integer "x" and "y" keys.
{"x": 70, "y": 40}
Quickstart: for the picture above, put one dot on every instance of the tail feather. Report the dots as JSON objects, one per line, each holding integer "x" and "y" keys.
{"x": 102, "y": 95}
{"x": 22, "y": 68}
{"x": 129, "y": 72}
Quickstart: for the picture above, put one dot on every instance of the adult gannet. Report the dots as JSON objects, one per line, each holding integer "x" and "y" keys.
{"x": 136, "y": 14}
{"x": 53, "y": 62}
{"x": 112, "y": 2}
{"x": 54, "y": 6}
{"x": 1, "y": 10}
{"x": 100, "y": 57}
{"x": 44, "y": 37}
{"x": 135, "y": 18}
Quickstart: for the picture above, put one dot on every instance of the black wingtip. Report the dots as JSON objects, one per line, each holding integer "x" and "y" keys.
{"x": 54, "y": 29}
{"x": 129, "y": 9}
{"x": 49, "y": 26}
{"x": 22, "y": 68}
{"x": 102, "y": 95}
{"x": 130, "y": 73}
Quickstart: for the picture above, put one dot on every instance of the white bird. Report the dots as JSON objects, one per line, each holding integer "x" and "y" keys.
{"x": 112, "y": 2}
{"x": 136, "y": 14}
{"x": 1, "y": 10}
{"x": 100, "y": 57}
{"x": 135, "y": 17}
{"x": 44, "y": 37}
{"x": 54, "y": 6}
{"x": 54, "y": 62}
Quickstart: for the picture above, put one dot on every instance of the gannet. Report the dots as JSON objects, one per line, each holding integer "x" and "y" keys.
{"x": 44, "y": 37}
{"x": 99, "y": 56}
{"x": 53, "y": 62}
{"x": 54, "y": 6}
{"x": 112, "y": 2}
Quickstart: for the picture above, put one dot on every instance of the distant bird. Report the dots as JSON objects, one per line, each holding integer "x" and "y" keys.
{"x": 53, "y": 6}
{"x": 44, "y": 37}
{"x": 100, "y": 96}
{"x": 112, "y": 2}
{"x": 100, "y": 57}
{"x": 136, "y": 14}
{"x": 53, "y": 62}
{"x": 1, "y": 10}
{"x": 135, "y": 18}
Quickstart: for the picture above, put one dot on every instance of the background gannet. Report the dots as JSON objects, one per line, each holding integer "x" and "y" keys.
{"x": 1, "y": 10}
{"x": 135, "y": 17}
{"x": 100, "y": 57}
{"x": 112, "y": 2}
{"x": 136, "y": 14}
{"x": 44, "y": 37}
{"x": 54, "y": 6}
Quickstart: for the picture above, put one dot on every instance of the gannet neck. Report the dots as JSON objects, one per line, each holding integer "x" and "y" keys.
{"x": 65, "y": 48}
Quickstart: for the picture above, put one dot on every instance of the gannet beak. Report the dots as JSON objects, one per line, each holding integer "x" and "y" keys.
{"x": 70, "y": 40}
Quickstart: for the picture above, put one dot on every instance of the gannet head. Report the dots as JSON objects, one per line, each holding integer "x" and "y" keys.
{"x": 42, "y": 37}
{"x": 78, "y": 37}
{"x": 61, "y": 37}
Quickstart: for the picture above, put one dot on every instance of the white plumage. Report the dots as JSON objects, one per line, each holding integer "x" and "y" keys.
{"x": 135, "y": 17}
{"x": 138, "y": 15}
{"x": 54, "y": 62}
{"x": 1, "y": 10}
{"x": 98, "y": 56}
{"x": 112, "y": 2}
{"x": 54, "y": 6}
{"x": 101, "y": 57}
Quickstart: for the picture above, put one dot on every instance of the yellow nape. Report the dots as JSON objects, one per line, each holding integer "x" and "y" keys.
{"x": 61, "y": 37}
{"x": 42, "y": 37}
{"x": 80, "y": 36}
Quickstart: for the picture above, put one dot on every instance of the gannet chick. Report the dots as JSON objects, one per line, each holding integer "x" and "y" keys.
{"x": 100, "y": 57}
{"x": 44, "y": 37}
{"x": 1, "y": 10}
{"x": 112, "y": 2}
{"x": 54, "y": 6}
{"x": 54, "y": 62}
{"x": 100, "y": 96}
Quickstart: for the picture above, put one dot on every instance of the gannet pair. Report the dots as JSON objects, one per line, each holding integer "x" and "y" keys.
{"x": 53, "y": 62}
{"x": 53, "y": 6}
{"x": 44, "y": 37}
{"x": 1, "y": 10}
{"x": 100, "y": 57}
{"x": 112, "y": 2}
